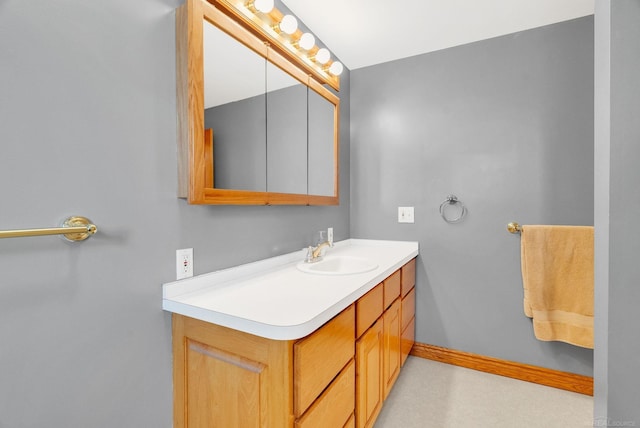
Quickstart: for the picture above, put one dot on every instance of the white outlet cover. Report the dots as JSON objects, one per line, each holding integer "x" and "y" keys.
{"x": 184, "y": 263}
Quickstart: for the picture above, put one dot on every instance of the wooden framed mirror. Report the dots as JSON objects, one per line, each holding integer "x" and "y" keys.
{"x": 256, "y": 126}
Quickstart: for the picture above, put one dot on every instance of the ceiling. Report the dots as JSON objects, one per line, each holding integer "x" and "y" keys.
{"x": 366, "y": 32}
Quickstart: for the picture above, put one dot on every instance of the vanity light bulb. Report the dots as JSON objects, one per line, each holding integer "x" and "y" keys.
{"x": 264, "y": 6}
{"x": 307, "y": 41}
{"x": 323, "y": 56}
{"x": 336, "y": 68}
{"x": 289, "y": 24}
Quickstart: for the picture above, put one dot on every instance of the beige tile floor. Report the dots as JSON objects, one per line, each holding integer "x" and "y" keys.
{"x": 431, "y": 394}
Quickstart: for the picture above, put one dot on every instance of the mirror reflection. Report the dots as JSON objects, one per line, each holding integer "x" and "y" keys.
{"x": 286, "y": 132}
{"x": 235, "y": 111}
{"x": 322, "y": 166}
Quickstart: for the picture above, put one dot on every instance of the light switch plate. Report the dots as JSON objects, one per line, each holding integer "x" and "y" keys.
{"x": 405, "y": 215}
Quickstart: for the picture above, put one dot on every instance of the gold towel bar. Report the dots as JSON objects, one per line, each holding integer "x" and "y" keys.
{"x": 74, "y": 228}
{"x": 514, "y": 227}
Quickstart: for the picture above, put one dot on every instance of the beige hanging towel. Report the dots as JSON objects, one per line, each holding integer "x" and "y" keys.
{"x": 557, "y": 275}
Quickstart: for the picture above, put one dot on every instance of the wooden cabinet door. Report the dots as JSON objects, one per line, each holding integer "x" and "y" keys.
{"x": 392, "y": 327}
{"x": 369, "y": 382}
{"x": 227, "y": 378}
{"x": 223, "y": 389}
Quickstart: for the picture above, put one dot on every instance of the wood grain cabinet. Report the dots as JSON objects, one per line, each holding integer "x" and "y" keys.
{"x": 408, "y": 308}
{"x": 392, "y": 355}
{"x": 319, "y": 357}
{"x": 380, "y": 347}
{"x": 334, "y": 408}
{"x": 227, "y": 378}
{"x": 369, "y": 381}
{"x": 338, "y": 376}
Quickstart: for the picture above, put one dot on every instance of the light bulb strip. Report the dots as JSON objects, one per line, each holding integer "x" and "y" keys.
{"x": 266, "y": 25}
{"x": 308, "y": 39}
{"x": 251, "y": 5}
{"x": 276, "y": 16}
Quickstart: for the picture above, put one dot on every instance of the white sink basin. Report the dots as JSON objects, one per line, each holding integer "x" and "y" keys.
{"x": 338, "y": 265}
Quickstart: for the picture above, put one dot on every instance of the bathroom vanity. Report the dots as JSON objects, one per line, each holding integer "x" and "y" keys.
{"x": 270, "y": 344}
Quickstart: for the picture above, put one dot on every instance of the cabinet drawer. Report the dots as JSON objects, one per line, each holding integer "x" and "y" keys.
{"x": 406, "y": 342}
{"x": 319, "y": 357}
{"x": 335, "y": 406}
{"x": 408, "y": 307}
{"x": 391, "y": 288}
{"x": 369, "y": 308}
{"x": 408, "y": 276}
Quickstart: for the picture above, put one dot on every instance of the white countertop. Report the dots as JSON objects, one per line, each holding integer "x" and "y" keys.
{"x": 273, "y": 299}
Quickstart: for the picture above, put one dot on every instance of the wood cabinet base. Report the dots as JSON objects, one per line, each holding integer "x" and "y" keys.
{"x": 227, "y": 378}
{"x": 230, "y": 377}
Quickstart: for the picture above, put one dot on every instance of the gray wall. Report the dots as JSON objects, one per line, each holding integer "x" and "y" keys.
{"x": 616, "y": 365}
{"x": 506, "y": 125}
{"x": 87, "y": 126}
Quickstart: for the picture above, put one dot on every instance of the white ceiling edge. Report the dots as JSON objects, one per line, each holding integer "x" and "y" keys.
{"x": 362, "y": 33}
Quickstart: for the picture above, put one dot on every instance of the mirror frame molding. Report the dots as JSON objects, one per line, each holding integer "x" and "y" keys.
{"x": 195, "y": 176}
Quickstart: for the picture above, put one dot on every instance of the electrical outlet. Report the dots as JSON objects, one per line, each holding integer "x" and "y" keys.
{"x": 184, "y": 263}
{"x": 330, "y": 234}
{"x": 405, "y": 215}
